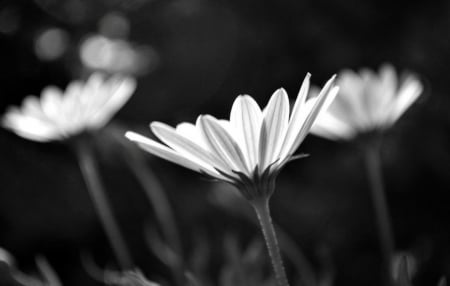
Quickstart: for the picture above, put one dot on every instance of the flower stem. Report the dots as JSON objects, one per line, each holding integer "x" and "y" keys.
{"x": 161, "y": 206}
{"x": 373, "y": 165}
{"x": 261, "y": 207}
{"x": 96, "y": 190}
{"x": 157, "y": 198}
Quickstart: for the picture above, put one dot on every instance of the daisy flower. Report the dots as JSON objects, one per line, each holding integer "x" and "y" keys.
{"x": 367, "y": 101}
{"x": 250, "y": 148}
{"x": 370, "y": 102}
{"x": 58, "y": 114}
{"x": 247, "y": 151}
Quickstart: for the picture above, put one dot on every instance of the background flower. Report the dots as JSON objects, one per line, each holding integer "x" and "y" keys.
{"x": 367, "y": 101}
{"x": 82, "y": 106}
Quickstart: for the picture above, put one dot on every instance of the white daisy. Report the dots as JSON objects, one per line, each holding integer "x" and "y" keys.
{"x": 58, "y": 115}
{"x": 367, "y": 101}
{"x": 250, "y": 148}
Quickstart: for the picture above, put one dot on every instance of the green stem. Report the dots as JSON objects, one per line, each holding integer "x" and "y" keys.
{"x": 90, "y": 174}
{"x": 373, "y": 165}
{"x": 261, "y": 207}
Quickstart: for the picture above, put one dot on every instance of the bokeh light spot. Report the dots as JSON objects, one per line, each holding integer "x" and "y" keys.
{"x": 114, "y": 25}
{"x": 9, "y": 20}
{"x": 51, "y": 44}
{"x": 113, "y": 55}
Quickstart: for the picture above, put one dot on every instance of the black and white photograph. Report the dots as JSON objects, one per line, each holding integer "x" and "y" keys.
{"x": 224, "y": 143}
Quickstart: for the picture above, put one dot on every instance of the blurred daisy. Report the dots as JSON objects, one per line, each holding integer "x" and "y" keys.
{"x": 59, "y": 114}
{"x": 250, "y": 148}
{"x": 371, "y": 102}
{"x": 367, "y": 101}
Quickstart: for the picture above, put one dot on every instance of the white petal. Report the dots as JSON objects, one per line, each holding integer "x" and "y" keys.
{"x": 30, "y": 127}
{"x": 119, "y": 91}
{"x": 297, "y": 117}
{"x": 226, "y": 124}
{"x": 168, "y": 154}
{"x": 276, "y": 121}
{"x": 191, "y": 131}
{"x": 51, "y": 100}
{"x": 319, "y": 106}
{"x": 72, "y": 107}
{"x": 377, "y": 93}
{"x": 96, "y": 80}
{"x": 246, "y": 117}
{"x": 301, "y": 99}
{"x": 31, "y": 106}
{"x": 187, "y": 147}
{"x": 351, "y": 105}
{"x": 94, "y": 91}
{"x": 329, "y": 90}
{"x": 223, "y": 144}
{"x": 383, "y": 94}
{"x": 92, "y": 98}
{"x": 328, "y": 126}
{"x": 188, "y": 130}
{"x": 407, "y": 95}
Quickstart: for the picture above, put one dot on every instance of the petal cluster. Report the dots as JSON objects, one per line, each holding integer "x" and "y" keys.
{"x": 367, "y": 101}
{"x": 58, "y": 114}
{"x": 251, "y": 145}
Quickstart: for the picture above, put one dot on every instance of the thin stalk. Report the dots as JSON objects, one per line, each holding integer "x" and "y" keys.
{"x": 383, "y": 222}
{"x": 96, "y": 190}
{"x": 261, "y": 207}
{"x": 160, "y": 203}
{"x": 288, "y": 246}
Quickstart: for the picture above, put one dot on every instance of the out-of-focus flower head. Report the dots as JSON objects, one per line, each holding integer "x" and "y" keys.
{"x": 58, "y": 114}
{"x": 367, "y": 101}
{"x": 250, "y": 148}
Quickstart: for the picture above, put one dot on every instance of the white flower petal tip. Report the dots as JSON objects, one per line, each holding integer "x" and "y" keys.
{"x": 135, "y": 137}
{"x": 366, "y": 102}
{"x": 250, "y": 148}
{"x": 331, "y": 97}
{"x": 6, "y": 257}
{"x": 58, "y": 115}
{"x": 332, "y": 79}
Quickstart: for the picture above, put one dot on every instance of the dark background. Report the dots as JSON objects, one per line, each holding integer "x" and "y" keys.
{"x": 202, "y": 55}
